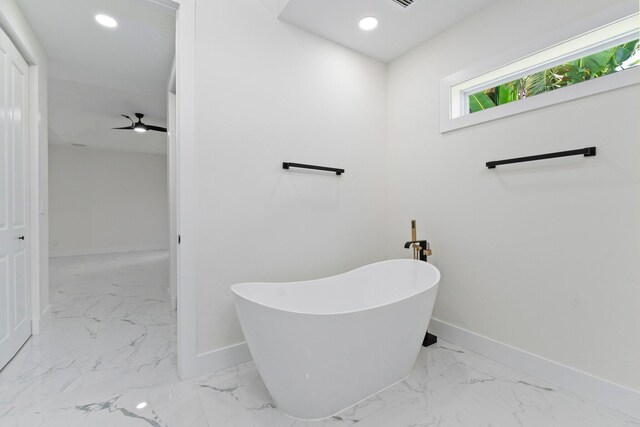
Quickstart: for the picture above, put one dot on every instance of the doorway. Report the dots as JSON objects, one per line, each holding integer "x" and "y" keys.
{"x": 108, "y": 180}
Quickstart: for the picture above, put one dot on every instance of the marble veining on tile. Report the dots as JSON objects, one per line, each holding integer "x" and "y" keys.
{"x": 109, "y": 359}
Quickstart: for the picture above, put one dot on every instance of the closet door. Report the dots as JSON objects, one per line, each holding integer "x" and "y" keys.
{"x": 15, "y": 317}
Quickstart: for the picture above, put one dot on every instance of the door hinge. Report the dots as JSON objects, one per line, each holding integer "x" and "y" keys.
{"x": 179, "y": 239}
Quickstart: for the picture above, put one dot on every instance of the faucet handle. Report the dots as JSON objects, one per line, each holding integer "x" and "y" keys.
{"x": 427, "y": 249}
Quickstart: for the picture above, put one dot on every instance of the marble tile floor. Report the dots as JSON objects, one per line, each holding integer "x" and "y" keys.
{"x": 111, "y": 347}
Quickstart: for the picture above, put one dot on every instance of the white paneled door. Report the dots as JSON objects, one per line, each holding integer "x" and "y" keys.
{"x": 15, "y": 318}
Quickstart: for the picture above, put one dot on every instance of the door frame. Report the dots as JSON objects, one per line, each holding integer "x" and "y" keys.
{"x": 171, "y": 185}
{"x": 186, "y": 206}
{"x": 15, "y": 25}
{"x": 189, "y": 364}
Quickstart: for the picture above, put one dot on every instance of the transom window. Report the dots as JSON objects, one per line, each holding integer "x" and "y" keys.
{"x": 597, "y": 55}
{"x": 608, "y": 61}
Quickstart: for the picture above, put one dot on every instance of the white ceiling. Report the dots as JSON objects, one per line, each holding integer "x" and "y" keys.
{"x": 96, "y": 73}
{"x": 400, "y": 29}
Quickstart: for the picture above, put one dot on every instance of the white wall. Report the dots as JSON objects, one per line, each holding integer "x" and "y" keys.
{"x": 268, "y": 92}
{"x": 105, "y": 201}
{"x": 16, "y": 26}
{"x": 540, "y": 256}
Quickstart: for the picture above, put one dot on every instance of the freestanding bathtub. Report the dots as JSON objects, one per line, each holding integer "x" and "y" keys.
{"x": 324, "y": 345}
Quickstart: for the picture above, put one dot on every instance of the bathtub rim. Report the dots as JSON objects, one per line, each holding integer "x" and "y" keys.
{"x": 435, "y": 283}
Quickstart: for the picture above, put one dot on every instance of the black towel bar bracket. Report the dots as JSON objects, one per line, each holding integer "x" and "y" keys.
{"x": 287, "y": 165}
{"x": 587, "y": 152}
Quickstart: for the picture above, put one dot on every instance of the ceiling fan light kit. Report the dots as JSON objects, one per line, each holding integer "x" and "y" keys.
{"x": 139, "y": 126}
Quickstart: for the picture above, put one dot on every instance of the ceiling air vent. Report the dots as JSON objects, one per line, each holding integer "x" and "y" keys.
{"x": 404, "y": 3}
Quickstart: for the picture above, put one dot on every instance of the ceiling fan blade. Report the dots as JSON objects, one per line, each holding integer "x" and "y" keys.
{"x": 139, "y": 126}
{"x": 156, "y": 128}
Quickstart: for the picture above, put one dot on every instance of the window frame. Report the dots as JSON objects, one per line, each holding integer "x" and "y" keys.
{"x": 454, "y": 95}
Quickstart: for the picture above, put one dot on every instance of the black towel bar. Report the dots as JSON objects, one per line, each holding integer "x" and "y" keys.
{"x": 587, "y": 152}
{"x": 287, "y": 165}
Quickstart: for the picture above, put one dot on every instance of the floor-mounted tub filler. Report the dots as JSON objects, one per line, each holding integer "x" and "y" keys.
{"x": 324, "y": 345}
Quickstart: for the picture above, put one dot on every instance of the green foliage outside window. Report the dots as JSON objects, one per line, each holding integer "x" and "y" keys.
{"x": 590, "y": 67}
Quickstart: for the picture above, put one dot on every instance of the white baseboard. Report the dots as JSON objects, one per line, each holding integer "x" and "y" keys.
{"x": 41, "y": 322}
{"x": 216, "y": 360}
{"x": 606, "y": 393}
{"x": 102, "y": 251}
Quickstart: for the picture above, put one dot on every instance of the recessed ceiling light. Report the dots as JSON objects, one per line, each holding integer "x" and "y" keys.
{"x": 368, "y": 23}
{"x": 107, "y": 21}
{"x": 141, "y": 405}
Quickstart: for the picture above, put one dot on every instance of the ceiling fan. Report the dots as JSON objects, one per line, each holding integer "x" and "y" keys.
{"x": 139, "y": 126}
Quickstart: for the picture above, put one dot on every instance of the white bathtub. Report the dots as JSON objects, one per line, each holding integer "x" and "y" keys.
{"x": 324, "y": 345}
